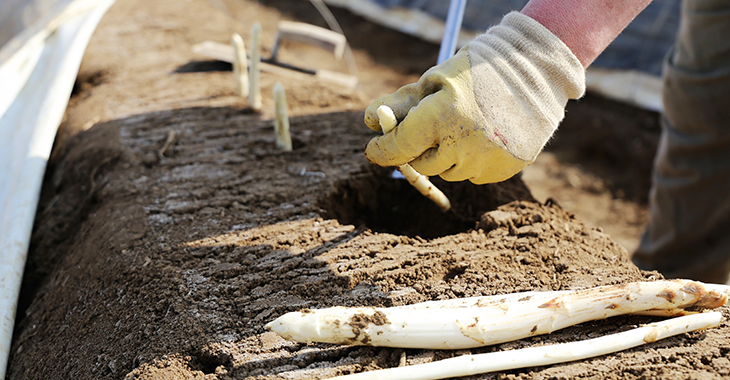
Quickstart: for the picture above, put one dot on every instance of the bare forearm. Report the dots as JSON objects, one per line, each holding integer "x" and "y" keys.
{"x": 586, "y": 26}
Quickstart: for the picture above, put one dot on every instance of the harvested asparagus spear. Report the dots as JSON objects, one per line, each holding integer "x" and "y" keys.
{"x": 491, "y": 321}
{"x": 388, "y": 121}
{"x": 468, "y": 365}
{"x": 281, "y": 120}
{"x": 254, "y": 93}
{"x": 533, "y": 296}
{"x": 240, "y": 65}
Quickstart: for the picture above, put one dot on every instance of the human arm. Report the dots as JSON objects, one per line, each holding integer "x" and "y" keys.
{"x": 586, "y": 27}
{"x": 488, "y": 111}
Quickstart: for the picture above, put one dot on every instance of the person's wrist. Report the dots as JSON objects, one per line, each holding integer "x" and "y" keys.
{"x": 586, "y": 27}
{"x": 566, "y": 31}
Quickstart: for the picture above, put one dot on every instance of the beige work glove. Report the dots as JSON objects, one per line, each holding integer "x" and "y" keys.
{"x": 485, "y": 113}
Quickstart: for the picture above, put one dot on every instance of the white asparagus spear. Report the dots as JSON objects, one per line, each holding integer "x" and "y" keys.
{"x": 281, "y": 120}
{"x": 240, "y": 65}
{"x": 718, "y": 288}
{"x": 488, "y": 322}
{"x": 468, "y": 365}
{"x": 254, "y": 93}
{"x": 387, "y": 120}
{"x": 534, "y": 296}
{"x": 485, "y": 300}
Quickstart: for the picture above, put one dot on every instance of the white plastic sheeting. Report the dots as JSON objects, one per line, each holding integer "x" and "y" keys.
{"x": 41, "y": 46}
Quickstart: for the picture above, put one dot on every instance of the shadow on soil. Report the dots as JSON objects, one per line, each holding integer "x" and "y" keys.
{"x": 203, "y": 67}
{"x": 211, "y": 233}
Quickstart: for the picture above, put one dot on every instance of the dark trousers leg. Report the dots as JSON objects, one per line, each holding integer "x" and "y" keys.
{"x": 688, "y": 235}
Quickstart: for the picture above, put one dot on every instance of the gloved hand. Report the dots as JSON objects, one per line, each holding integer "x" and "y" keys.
{"x": 485, "y": 113}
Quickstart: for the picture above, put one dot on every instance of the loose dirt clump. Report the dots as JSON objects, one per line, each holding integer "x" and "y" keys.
{"x": 173, "y": 230}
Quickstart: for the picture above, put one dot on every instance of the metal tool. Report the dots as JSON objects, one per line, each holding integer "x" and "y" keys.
{"x": 294, "y": 31}
{"x": 451, "y": 30}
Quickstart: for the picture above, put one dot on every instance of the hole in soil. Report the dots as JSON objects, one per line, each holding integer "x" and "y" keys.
{"x": 204, "y": 67}
{"x": 375, "y": 200}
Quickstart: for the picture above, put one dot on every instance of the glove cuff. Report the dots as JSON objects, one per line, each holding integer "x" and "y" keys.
{"x": 519, "y": 65}
{"x": 547, "y": 52}
{"x": 531, "y": 60}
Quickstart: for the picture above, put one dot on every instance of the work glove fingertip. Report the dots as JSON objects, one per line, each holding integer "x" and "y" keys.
{"x": 374, "y": 154}
{"x": 371, "y": 116}
{"x": 400, "y": 102}
{"x": 454, "y": 176}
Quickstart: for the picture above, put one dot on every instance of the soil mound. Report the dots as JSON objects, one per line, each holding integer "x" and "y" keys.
{"x": 172, "y": 231}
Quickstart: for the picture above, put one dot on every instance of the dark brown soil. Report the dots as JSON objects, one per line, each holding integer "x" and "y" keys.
{"x": 173, "y": 230}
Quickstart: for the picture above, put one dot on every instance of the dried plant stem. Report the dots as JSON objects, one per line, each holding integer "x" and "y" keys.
{"x": 281, "y": 120}
{"x": 240, "y": 65}
{"x": 489, "y": 320}
{"x": 468, "y": 365}
{"x": 171, "y": 136}
{"x": 254, "y": 93}
{"x": 418, "y": 180}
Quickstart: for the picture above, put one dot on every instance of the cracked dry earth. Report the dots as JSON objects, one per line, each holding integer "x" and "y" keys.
{"x": 173, "y": 230}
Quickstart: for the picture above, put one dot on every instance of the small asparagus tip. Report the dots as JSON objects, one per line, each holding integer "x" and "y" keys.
{"x": 386, "y": 118}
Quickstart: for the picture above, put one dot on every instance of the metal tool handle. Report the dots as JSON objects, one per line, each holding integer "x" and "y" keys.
{"x": 451, "y": 30}
{"x": 310, "y": 34}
